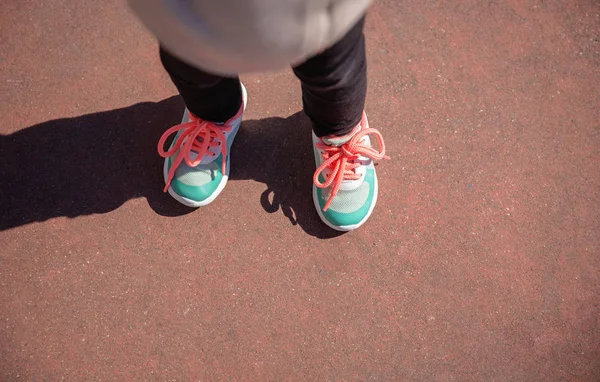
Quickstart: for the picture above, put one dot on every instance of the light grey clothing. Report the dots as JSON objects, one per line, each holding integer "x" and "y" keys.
{"x": 237, "y": 36}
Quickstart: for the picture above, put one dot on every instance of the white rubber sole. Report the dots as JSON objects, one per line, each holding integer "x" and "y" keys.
{"x": 193, "y": 203}
{"x": 345, "y": 228}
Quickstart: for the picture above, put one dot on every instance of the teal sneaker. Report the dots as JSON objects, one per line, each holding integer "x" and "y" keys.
{"x": 345, "y": 182}
{"x": 197, "y": 164}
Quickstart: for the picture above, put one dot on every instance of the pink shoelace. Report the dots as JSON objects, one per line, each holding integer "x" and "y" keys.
{"x": 197, "y": 136}
{"x": 344, "y": 160}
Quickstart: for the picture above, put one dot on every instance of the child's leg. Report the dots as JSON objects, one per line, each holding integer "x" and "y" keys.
{"x": 208, "y": 96}
{"x": 197, "y": 162}
{"x": 334, "y": 84}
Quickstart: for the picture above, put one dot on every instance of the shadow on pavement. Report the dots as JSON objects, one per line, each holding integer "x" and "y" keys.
{"x": 94, "y": 163}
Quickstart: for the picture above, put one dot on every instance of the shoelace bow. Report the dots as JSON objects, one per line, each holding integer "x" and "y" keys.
{"x": 197, "y": 136}
{"x": 343, "y": 161}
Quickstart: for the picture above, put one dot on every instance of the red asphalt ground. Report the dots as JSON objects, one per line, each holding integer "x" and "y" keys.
{"x": 481, "y": 261}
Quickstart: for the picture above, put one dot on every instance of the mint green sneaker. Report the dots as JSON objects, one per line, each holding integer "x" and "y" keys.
{"x": 197, "y": 164}
{"x": 345, "y": 182}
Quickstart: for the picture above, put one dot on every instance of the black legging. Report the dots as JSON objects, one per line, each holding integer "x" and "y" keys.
{"x": 334, "y": 86}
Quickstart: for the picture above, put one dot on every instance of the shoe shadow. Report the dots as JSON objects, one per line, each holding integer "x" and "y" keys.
{"x": 278, "y": 152}
{"x": 94, "y": 163}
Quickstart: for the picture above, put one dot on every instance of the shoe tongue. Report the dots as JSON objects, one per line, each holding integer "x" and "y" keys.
{"x": 333, "y": 140}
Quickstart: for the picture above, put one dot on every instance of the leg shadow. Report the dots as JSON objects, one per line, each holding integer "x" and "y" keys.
{"x": 94, "y": 163}
{"x": 85, "y": 165}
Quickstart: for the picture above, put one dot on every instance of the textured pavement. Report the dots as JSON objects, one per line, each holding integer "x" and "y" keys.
{"x": 480, "y": 262}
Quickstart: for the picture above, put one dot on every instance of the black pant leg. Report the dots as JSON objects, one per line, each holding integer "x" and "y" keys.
{"x": 334, "y": 84}
{"x": 208, "y": 96}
